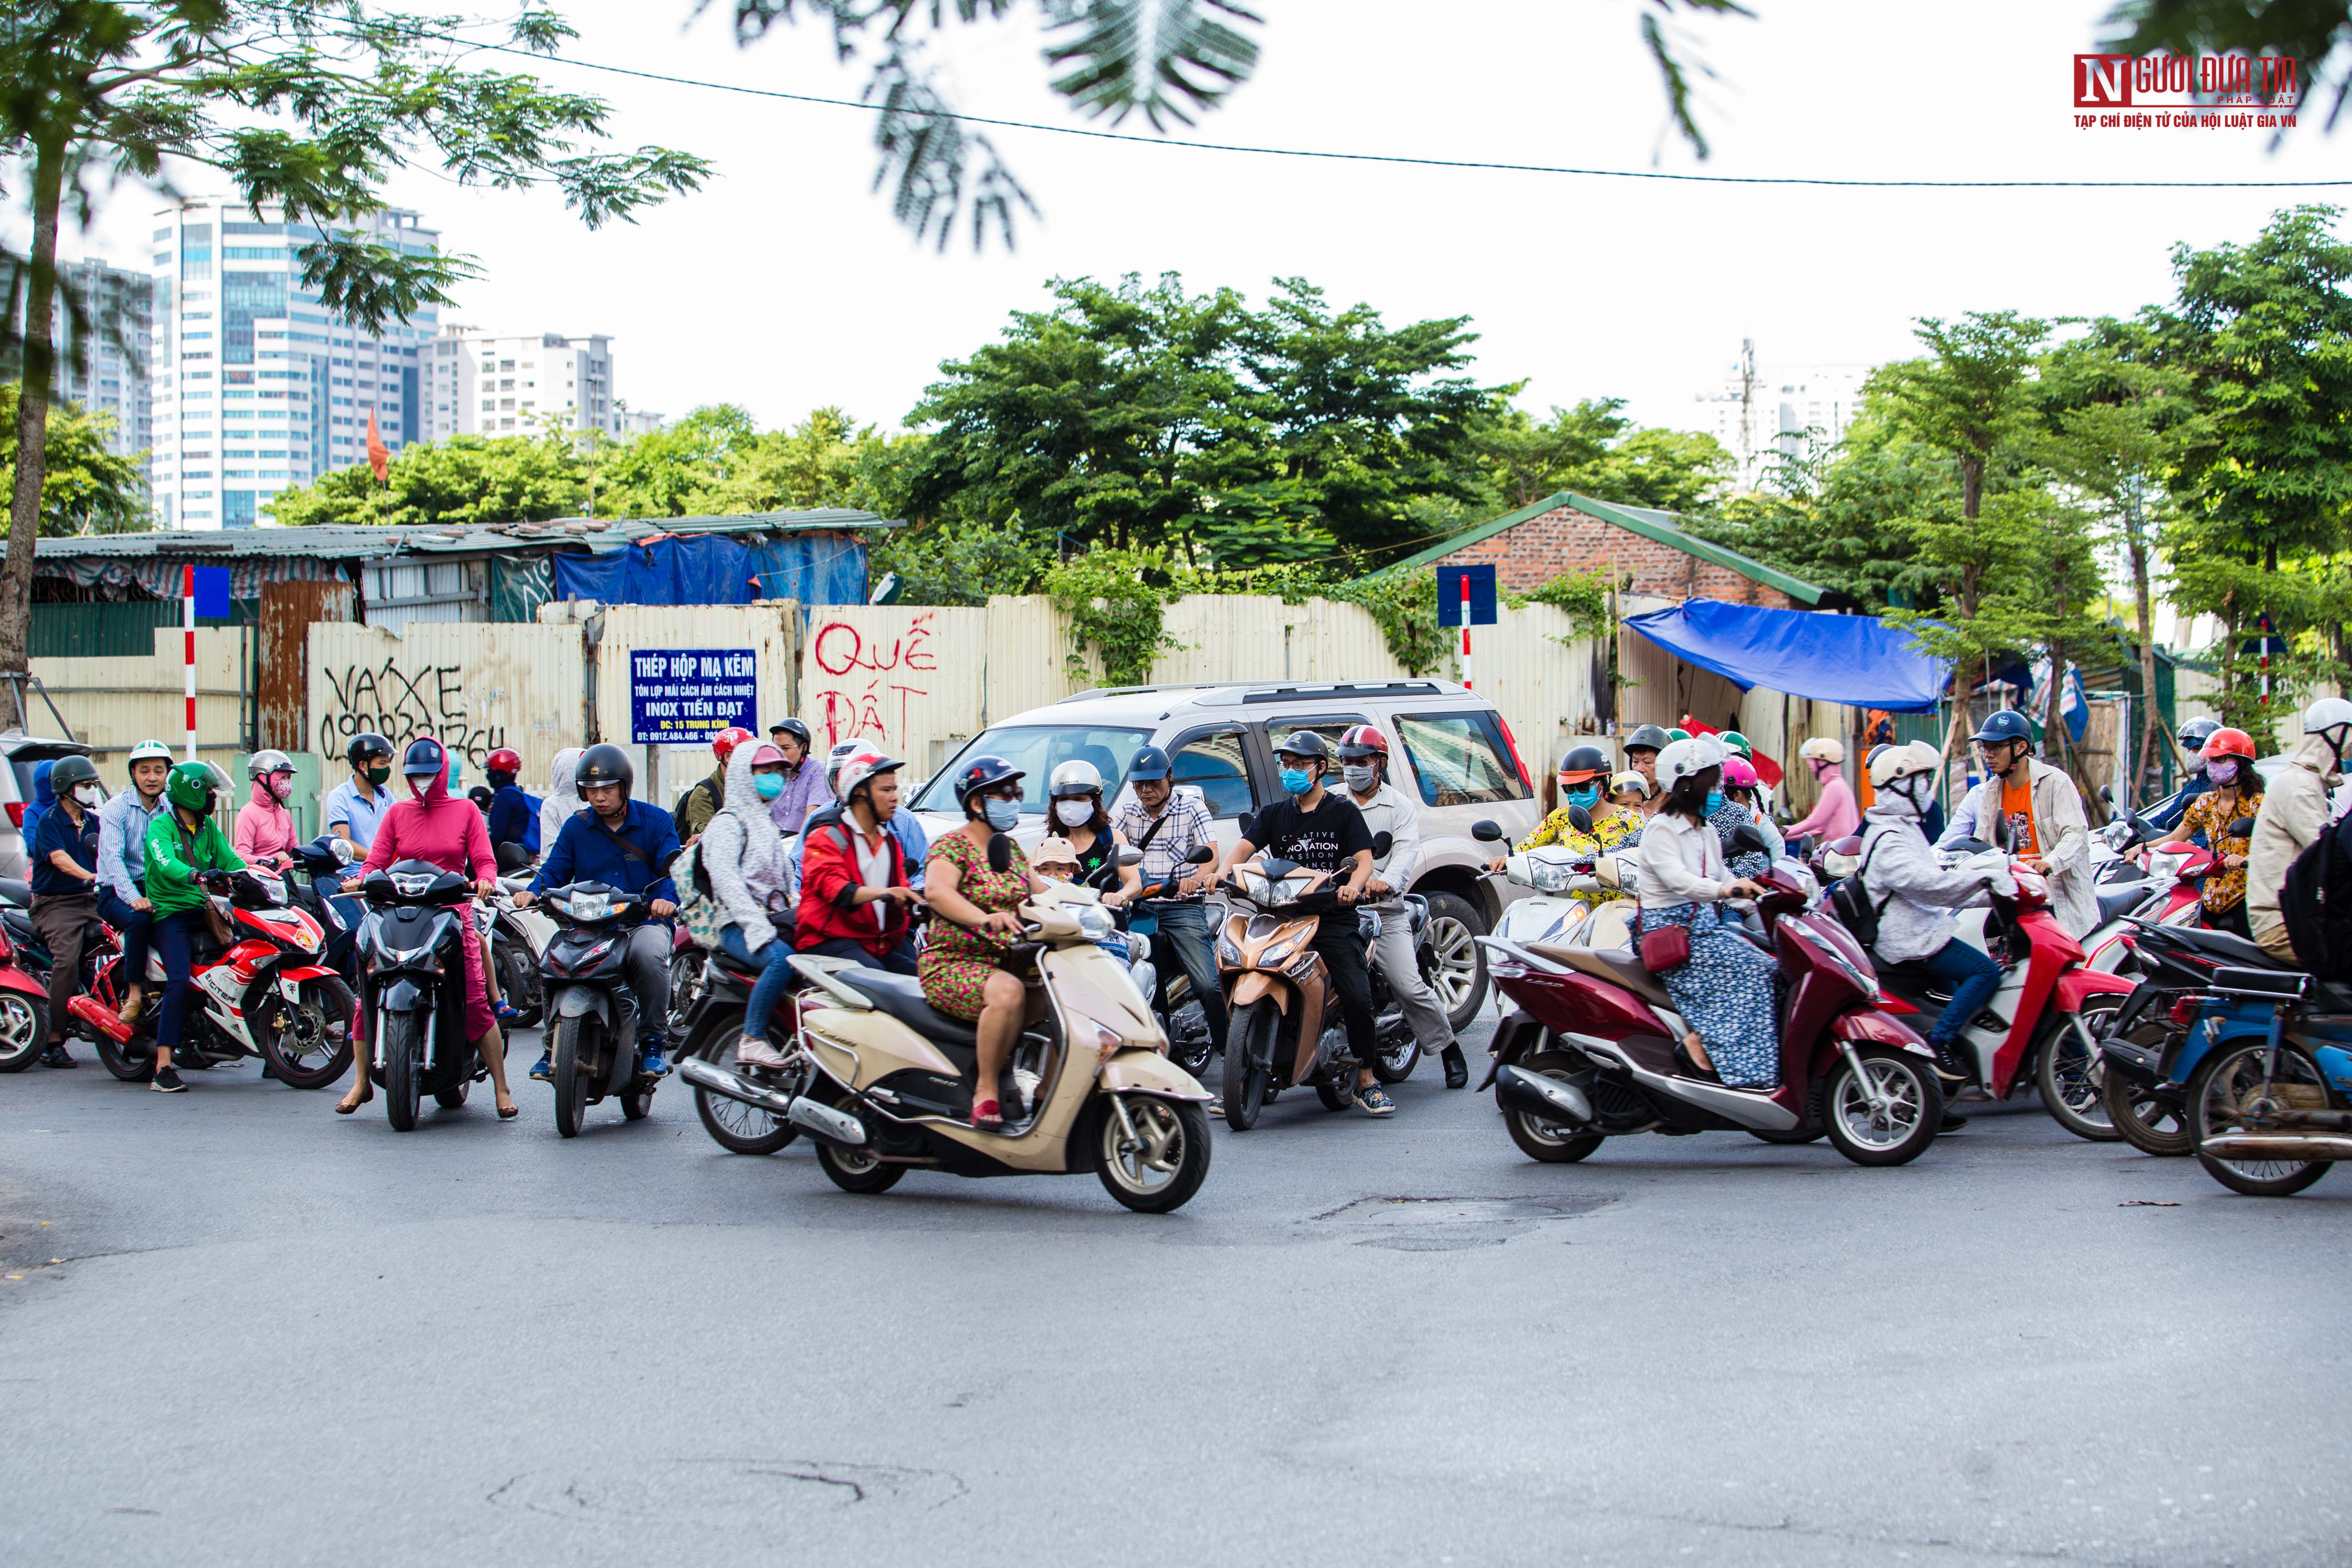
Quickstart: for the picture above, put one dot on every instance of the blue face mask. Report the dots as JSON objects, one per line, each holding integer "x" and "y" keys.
{"x": 1713, "y": 802}
{"x": 1585, "y": 795}
{"x": 1003, "y": 815}
{"x": 1297, "y": 780}
{"x": 770, "y": 785}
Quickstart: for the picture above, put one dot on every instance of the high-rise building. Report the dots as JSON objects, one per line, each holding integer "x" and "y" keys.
{"x": 257, "y": 384}
{"x": 486, "y": 385}
{"x": 109, "y": 374}
{"x": 1762, "y": 414}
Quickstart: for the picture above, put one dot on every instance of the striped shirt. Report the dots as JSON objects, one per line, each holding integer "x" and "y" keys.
{"x": 1188, "y": 826}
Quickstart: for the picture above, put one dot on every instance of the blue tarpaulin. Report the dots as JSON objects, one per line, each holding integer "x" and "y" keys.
{"x": 816, "y": 569}
{"x": 1856, "y": 660}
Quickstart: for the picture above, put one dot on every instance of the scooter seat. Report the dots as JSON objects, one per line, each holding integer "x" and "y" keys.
{"x": 901, "y": 996}
{"x": 2116, "y": 905}
{"x": 1617, "y": 965}
{"x": 2225, "y": 945}
{"x": 15, "y": 892}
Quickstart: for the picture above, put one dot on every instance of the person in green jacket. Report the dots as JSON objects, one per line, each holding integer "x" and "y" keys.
{"x": 188, "y": 857}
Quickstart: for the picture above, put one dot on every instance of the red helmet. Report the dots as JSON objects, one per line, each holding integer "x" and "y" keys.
{"x": 2230, "y": 743}
{"x": 728, "y": 739}
{"x": 1362, "y": 741}
{"x": 505, "y": 759}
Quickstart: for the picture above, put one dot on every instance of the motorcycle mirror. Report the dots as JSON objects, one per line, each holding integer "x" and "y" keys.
{"x": 1202, "y": 855}
{"x": 512, "y": 856}
{"x": 1000, "y": 854}
{"x": 1748, "y": 837}
{"x": 2108, "y": 793}
{"x": 2239, "y": 829}
{"x": 1486, "y": 831}
{"x": 1382, "y": 844}
{"x": 1248, "y": 825}
{"x": 1579, "y": 818}
{"x": 1129, "y": 855}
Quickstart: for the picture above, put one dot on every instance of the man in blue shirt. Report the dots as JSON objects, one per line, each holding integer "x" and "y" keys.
{"x": 65, "y": 886}
{"x": 626, "y": 844}
{"x": 122, "y": 824}
{"x": 354, "y": 807}
{"x": 514, "y": 813}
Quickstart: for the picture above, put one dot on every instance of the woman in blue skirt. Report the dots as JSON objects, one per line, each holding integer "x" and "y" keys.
{"x": 1726, "y": 990}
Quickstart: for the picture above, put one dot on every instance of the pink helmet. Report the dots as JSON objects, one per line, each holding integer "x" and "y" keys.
{"x": 1739, "y": 771}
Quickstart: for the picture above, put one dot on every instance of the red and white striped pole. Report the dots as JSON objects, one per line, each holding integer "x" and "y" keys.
{"x": 188, "y": 624}
{"x": 1466, "y": 632}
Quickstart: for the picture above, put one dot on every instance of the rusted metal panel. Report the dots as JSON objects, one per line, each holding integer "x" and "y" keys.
{"x": 475, "y": 685}
{"x": 288, "y": 610}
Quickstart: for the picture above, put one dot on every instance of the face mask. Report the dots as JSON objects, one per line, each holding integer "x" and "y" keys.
{"x": 91, "y": 795}
{"x": 1297, "y": 780}
{"x": 376, "y": 776}
{"x": 1585, "y": 795}
{"x": 1003, "y": 815}
{"x": 1074, "y": 813}
{"x": 418, "y": 785}
{"x": 1361, "y": 779}
{"x": 770, "y": 785}
{"x": 282, "y": 788}
{"x": 2223, "y": 770}
{"x": 1713, "y": 802}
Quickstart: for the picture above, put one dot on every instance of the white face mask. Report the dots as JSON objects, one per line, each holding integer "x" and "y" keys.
{"x": 91, "y": 795}
{"x": 1074, "y": 813}
{"x": 1360, "y": 779}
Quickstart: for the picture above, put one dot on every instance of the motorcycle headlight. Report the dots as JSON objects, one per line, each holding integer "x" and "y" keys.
{"x": 1550, "y": 876}
{"x": 1095, "y": 922}
{"x": 589, "y": 906}
{"x": 1275, "y": 955}
{"x": 411, "y": 883}
{"x": 1227, "y": 953}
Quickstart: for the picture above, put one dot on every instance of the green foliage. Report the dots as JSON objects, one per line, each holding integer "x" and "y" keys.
{"x": 1594, "y": 450}
{"x": 459, "y": 479}
{"x": 84, "y": 488}
{"x": 1405, "y": 605}
{"x": 1115, "y": 599}
{"x": 958, "y": 563}
{"x": 1587, "y": 597}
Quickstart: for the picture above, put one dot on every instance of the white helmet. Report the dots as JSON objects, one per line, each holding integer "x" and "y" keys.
{"x": 864, "y": 762}
{"x": 1894, "y": 762}
{"x": 2326, "y": 714}
{"x": 147, "y": 748}
{"x": 1688, "y": 758}
{"x": 262, "y": 764}
{"x": 832, "y": 760}
{"x": 1075, "y": 776}
{"x": 1826, "y": 748}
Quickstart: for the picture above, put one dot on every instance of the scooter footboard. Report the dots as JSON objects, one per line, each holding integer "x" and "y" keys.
{"x": 1149, "y": 1072}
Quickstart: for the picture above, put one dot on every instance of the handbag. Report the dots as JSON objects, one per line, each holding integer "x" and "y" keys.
{"x": 1665, "y": 947}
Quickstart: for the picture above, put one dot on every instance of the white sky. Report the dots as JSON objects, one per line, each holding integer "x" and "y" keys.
{"x": 786, "y": 285}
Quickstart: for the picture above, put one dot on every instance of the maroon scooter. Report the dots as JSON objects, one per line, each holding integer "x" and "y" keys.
{"x": 1588, "y": 1054}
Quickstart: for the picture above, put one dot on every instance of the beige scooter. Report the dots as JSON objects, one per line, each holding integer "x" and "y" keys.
{"x": 885, "y": 1085}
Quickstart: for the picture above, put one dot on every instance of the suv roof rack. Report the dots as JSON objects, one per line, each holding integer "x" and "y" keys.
{"x": 1141, "y": 691}
{"x": 1291, "y": 693}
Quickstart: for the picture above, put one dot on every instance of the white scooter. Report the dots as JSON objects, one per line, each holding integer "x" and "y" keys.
{"x": 1555, "y": 915}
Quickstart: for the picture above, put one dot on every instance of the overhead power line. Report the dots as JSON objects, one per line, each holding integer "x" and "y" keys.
{"x": 1401, "y": 159}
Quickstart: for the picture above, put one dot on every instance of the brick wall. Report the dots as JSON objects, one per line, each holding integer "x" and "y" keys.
{"x": 1564, "y": 540}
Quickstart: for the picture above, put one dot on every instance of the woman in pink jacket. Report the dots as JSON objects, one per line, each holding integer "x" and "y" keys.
{"x": 1834, "y": 815}
{"x": 448, "y": 830}
{"x": 265, "y": 828}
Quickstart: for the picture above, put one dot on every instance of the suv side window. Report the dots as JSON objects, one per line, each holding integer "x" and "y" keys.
{"x": 1458, "y": 759}
{"x": 1213, "y": 762}
{"x": 1330, "y": 727}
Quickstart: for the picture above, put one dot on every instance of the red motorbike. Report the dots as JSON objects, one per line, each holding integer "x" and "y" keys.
{"x": 263, "y": 994}
{"x": 1590, "y": 1054}
{"x": 24, "y": 1012}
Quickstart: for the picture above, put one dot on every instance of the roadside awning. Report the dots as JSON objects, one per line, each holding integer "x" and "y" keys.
{"x": 1856, "y": 660}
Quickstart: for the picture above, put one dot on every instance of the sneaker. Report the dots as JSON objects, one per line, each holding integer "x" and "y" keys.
{"x": 543, "y": 1067}
{"x": 57, "y": 1056}
{"x": 751, "y": 1052}
{"x": 652, "y": 1065}
{"x": 508, "y": 1014}
{"x": 1947, "y": 1061}
{"x": 1373, "y": 1100}
{"x": 167, "y": 1081}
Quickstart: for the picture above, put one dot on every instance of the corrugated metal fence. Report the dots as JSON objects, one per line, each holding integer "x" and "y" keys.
{"x": 473, "y": 684}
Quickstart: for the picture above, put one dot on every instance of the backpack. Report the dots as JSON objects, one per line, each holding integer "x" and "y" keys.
{"x": 2316, "y": 903}
{"x": 1849, "y": 900}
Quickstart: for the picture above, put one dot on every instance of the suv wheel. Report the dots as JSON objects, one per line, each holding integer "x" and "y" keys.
{"x": 1453, "y": 965}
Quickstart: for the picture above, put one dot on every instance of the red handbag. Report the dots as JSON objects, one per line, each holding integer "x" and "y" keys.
{"x": 1665, "y": 947}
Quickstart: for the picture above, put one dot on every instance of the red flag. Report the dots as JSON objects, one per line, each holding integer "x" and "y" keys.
{"x": 379, "y": 454}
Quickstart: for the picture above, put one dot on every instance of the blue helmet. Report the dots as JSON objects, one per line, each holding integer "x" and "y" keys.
{"x": 982, "y": 772}
{"x": 2007, "y": 724}
{"x": 425, "y": 758}
{"x": 1150, "y": 762}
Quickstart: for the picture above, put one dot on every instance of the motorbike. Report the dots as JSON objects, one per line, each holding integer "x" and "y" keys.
{"x": 320, "y": 867}
{"x": 2270, "y": 1106}
{"x": 883, "y": 1084}
{"x": 29, "y": 951}
{"x": 264, "y": 994}
{"x": 1166, "y": 986}
{"x": 24, "y": 1008}
{"x": 705, "y": 1035}
{"x": 592, "y": 1013}
{"x": 415, "y": 987}
{"x": 2042, "y": 1028}
{"x": 1588, "y": 1054}
{"x": 1557, "y": 872}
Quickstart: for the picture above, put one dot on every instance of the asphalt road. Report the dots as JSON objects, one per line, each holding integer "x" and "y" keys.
{"x": 240, "y": 1329}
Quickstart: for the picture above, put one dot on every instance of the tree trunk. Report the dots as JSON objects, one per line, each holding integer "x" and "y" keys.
{"x": 1972, "y": 466}
{"x": 2136, "y": 789}
{"x": 32, "y": 416}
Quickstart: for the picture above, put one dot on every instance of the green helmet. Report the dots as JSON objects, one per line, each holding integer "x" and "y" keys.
{"x": 1678, "y": 733}
{"x": 190, "y": 786}
{"x": 1739, "y": 743}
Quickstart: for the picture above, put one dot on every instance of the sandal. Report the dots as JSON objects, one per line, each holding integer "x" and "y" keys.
{"x": 1688, "y": 1065}
{"x": 346, "y": 1106}
{"x": 987, "y": 1115}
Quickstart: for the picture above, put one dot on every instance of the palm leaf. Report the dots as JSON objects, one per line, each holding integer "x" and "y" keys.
{"x": 1170, "y": 59}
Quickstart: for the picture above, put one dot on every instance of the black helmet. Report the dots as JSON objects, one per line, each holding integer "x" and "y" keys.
{"x": 1586, "y": 760}
{"x": 2192, "y": 736}
{"x": 982, "y": 772}
{"x": 1649, "y": 737}
{"x": 366, "y": 745}
{"x": 2006, "y": 725}
{"x": 794, "y": 728}
{"x": 1304, "y": 743}
{"x": 426, "y": 758}
{"x": 1150, "y": 762}
{"x": 69, "y": 771}
{"x": 605, "y": 763}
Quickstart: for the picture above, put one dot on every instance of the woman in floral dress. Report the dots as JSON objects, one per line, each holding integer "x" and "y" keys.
{"x": 2237, "y": 791}
{"x": 979, "y": 920}
{"x": 1726, "y": 989}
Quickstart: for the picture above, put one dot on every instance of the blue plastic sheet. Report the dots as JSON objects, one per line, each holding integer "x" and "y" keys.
{"x": 709, "y": 569}
{"x": 1856, "y": 660}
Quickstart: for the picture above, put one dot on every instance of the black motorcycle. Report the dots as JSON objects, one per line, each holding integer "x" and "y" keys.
{"x": 320, "y": 868}
{"x": 1190, "y": 1045}
{"x": 415, "y": 989}
{"x": 592, "y": 1013}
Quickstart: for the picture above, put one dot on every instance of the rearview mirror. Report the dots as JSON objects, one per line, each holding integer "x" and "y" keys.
{"x": 1749, "y": 838}
{"x": 1382, "y": 844}
{"x": 512, "y": 856}
{"x": 1202, "y": 855}
{"x": 2239, "y": 829}
{"x": 1486, "y": 831}
{"x": 1129, "y": 855}
{"x": 2108, "y": 793}
{"x": 1579, "y": 819}
{"x": 1247, "y": 823}
{"x": 1000, "y": 854}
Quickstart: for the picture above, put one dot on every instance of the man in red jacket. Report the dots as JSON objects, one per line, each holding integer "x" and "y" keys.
{"x": 855, "y": 900}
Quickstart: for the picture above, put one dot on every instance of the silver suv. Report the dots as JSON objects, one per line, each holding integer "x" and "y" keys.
{"x": 1445, "y": 741}
{"x": 20, "y": 751}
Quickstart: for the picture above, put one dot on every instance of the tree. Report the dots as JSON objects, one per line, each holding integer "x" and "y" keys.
{"x": 458, "y": 479}
{"x": 2304, "y": 31}
{"x": 84, "y": 488}
{"x": 1594, "y": 450}
{"x": 305, "y": 105}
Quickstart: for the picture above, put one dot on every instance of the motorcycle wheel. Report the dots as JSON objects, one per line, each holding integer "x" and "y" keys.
{"x": 24, "y": 1031}
{"x": 570, "y": 1078}
{"x": 689, "y": 979}
{"x": 1244, "y": 1086}
{"x": 1541, "y": 1140}
{"x": 2071, "y": 1080}
{"x": 1799, "y": 1136}
{"x": 454, "y": 1099}
{"x": 518, "y": 981}
{"x": 1190, "y": 1045}
{"x": 404, "y": 1069}
{"x": 295, "y": 1042}
{"x": 857, "y": 1170}
{"x": 1335, "y": 1088}
{"x": 2218, "y": 1093}
{"x": 116, "y": 1058}
{"x": 737, "y": 1128}
{"x": 1903, "y": 1133}
{"x": 2150, "y": 1124}
{"x": 1394, "y": 1065}
{"x": 636, "y": 1104}
{"x": 1160, "y": 1173}
{"x": 1453, "y": 965}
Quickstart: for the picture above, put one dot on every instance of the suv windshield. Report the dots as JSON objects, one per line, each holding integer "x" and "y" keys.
{"x": 1037, "y": 749}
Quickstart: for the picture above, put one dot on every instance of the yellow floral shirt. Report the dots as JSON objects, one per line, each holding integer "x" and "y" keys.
{"x": 2223, "y": 889}
{"x": 1608, "y": 834}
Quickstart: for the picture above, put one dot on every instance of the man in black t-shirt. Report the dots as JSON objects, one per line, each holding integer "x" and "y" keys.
{"x": 1323, "y": 831}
